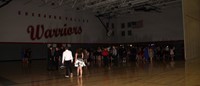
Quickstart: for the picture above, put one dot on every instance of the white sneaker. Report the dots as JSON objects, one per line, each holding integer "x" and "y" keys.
{"x": 66, "y": 76}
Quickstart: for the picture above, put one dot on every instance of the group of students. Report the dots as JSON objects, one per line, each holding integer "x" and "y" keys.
{"x": 54, "y": 58}
{"x": 157, "y": 53}
{"x": 66, "y": 58}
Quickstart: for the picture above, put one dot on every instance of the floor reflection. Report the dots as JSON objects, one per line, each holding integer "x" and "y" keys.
{"x": 158, "y": 73}
{"x": 79, "y": 81}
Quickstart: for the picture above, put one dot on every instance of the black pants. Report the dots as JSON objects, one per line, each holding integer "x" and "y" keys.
{"x": 68, "y": 66}
{"x": 106, "y": 60}
{"x": 56, "y": 63}
{"x": 115, "y": 59}
{"x": 49, "y": 65}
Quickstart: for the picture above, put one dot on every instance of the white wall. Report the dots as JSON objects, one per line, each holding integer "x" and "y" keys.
{"x": 14, "y": 26}
{"x": 165, "y": 26}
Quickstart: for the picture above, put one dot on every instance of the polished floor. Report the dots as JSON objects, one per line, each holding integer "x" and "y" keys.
{"x": 176, "y": 73}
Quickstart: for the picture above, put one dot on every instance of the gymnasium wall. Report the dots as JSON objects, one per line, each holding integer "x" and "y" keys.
{"x": 37, "y": 22}
{"x": 166, "y": 25}
{"x": 32, "y": 24}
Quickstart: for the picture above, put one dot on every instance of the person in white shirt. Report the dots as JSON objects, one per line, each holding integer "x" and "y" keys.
{"x": 67, "y": 59}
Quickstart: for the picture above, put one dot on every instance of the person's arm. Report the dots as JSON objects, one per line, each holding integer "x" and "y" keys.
{"x": 82, "y": 55}
{"x": 63, "y": 58}
{"x": 71, "y": 57}
{"x": 76, "y": 56}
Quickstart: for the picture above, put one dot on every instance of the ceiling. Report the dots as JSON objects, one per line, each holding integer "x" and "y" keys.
{"x": 111, "y": 8}
{"x": 108, "y": 8}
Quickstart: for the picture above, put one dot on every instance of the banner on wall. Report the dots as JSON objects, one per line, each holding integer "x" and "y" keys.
{"x": 38, "y": 32}
{"x": 20, "y": 23}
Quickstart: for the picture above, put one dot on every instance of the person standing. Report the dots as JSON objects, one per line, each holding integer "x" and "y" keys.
{"x": 56, "y": 58}
{"x": 172, "y": 53}
{"x": 79, "y": 63}
{"x": 86, "y": 56}
{"x": 146, "y": 54}
{"x": 67, "y": 59}
{"x": 114, "y": 54}
{"x": 105, "y": 55}
{"x": 61, "y": 50}
{"x": 50, "y": 58}
{"x": 151, "y": 54}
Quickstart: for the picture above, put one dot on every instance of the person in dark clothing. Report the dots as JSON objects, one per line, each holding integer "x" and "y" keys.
{"x": 61, "y": 50}
{"x": 56, "y": 58}
{"x": 50, "y": 58}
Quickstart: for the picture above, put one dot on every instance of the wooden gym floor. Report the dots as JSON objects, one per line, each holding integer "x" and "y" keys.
{"x": 177, "y": 73}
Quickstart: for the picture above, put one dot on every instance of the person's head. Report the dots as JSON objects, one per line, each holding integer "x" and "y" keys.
{"x": 105, "y": 48}
{"x": 51, "y": 47}
{"x": 57, "y": 48}
{"x": 113, "y": 47}
{"x": 66, "y": 48}
{"x": 79, "y": 50}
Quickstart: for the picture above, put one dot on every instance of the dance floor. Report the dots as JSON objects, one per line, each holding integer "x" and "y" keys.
{"x": 176, "y": 73}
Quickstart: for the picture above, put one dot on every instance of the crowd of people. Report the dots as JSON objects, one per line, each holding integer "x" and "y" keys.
{"x": 105, "y": 56}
